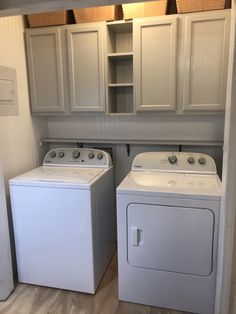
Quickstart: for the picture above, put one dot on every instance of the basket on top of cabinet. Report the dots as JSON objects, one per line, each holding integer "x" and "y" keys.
{"x": 50, "y": 18}
{"x": 144, "y": 9}
{"x": 98, "y": 14}
{"x": 187, "y": 6}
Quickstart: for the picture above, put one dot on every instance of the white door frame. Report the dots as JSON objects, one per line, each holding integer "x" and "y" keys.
{"x": 6, "y": 276}
{"x": 228, "y": 204}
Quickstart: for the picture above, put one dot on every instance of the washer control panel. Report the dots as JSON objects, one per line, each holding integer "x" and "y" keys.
{"x": 175, "y": 162}
{"x": 83, "y": 157}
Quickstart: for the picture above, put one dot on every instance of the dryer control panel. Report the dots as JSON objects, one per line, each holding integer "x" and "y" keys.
{"x": 184, "y": 162}
{"x": 79, "y": 157}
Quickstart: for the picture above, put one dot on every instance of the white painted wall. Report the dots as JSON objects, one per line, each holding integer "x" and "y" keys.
{"x": 19, "y": 135}
{"x": 141, "y": 126}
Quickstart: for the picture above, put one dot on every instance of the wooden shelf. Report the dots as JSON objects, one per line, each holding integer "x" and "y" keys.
{"x": 132, "y": 141}
{"x": 120, "y": 55}
{"x": 120, "y": 26}
{"x": 121, "y": 85}
{"x": 122, "y": 113}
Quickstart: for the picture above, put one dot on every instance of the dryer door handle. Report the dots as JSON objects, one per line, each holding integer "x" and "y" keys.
{"x": 134, "y": 235}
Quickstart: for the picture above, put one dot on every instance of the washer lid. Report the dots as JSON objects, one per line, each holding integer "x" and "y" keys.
{"x": 173, "y": 184}
{"x": 54, "y": 175}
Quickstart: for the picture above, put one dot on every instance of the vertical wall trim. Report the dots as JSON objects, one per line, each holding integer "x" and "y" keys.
{"x": 6, "y": 282}
{"x": 228, "y": 204}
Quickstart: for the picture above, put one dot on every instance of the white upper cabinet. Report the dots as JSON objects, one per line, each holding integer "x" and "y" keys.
{"x": 206, "y": 44}
{"x": 175, "y": 63}
{"x": 155, "y": 58}
{"x": 45, "y": 70}
{"x": 86, "y": 67}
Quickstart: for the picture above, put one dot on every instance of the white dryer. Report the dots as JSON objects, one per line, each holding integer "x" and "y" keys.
{"x": 168, "y": 221}
{"x": 63, "y": 218}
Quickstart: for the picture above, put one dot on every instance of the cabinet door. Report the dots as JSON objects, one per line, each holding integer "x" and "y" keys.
{"x": 206, "y": 61}
{"x": 86, "y": 67}
{"x": 45, "y": 70}
{"x": 155, "y": 52}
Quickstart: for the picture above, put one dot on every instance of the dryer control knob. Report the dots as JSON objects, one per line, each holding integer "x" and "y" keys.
{"x": 172, "y": 159}
{"x": 191, "y": 160}
{"x": 53, "y": 154}
{"x": 91, "y": 155}
{"x": 61, "y": 154}
{"x": 76, "y": 154}
{"x": 202, "y": 161}
{"x": 99, "y": 156}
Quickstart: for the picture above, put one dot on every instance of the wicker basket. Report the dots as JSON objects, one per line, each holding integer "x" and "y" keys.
{"x": 144, "y": 9}
{"x": 49, "y": 19}
{"x": 185, "y": 6}
{"x": 97, "y": 14}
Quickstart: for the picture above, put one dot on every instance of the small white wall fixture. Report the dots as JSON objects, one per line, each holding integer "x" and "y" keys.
{"x": 8, "y": 92}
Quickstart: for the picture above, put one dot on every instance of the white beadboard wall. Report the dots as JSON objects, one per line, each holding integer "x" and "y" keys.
{"x": 147, "y": 126}
{"x": 19, "y": 135}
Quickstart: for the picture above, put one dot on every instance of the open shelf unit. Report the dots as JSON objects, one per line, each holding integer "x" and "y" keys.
{"x": 120, "y": 67}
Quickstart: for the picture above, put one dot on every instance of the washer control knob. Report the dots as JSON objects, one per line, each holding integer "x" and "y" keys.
{"x": 91, "y": 155}
{"x": 172, "y": 159}
{"x": 202, "y": 161}
{"x": 99, "y": 156}
{"x": 53, "y": 154}
{"x": 61, "y": 154}
{"x": 191, "y": 160}
{"x": 76, "y": 154}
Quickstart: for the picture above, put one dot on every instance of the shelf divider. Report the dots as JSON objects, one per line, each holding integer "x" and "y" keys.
{"x": 121, "y": 85}
{"x": 120, "y": 55}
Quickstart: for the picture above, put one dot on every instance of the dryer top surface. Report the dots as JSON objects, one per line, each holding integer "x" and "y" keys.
{"x": 171, "y": 185}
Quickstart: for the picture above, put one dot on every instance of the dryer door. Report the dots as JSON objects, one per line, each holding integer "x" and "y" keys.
{"x": 168, "y": 238}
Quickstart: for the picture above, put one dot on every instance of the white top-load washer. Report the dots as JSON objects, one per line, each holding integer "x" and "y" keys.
{"x": 63, "y": 219}
{"x": 167, "y": 217}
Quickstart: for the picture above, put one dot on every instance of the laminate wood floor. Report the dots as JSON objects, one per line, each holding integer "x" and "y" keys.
{"x": 29, "y": 299}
